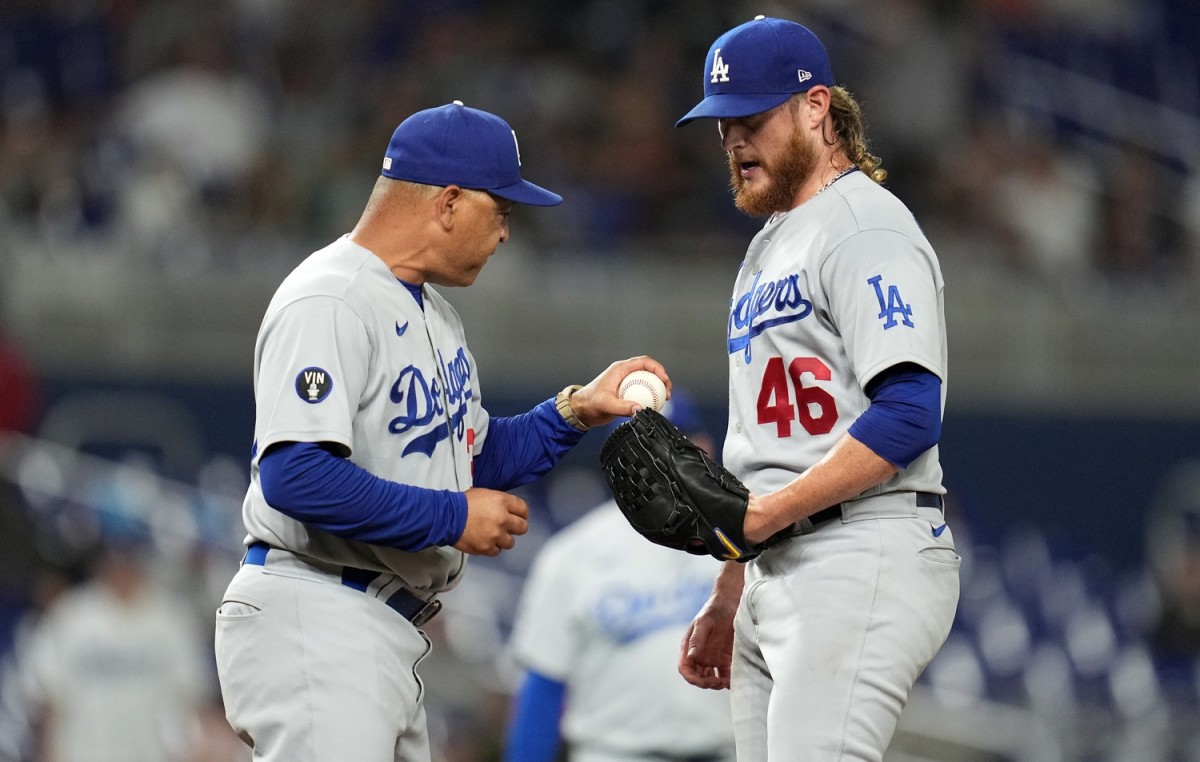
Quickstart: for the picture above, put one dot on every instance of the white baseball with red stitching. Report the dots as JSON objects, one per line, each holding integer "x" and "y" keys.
{"x": 644, "y": 388}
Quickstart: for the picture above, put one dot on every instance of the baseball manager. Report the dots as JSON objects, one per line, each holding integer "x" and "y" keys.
{"x": 376, "y": 470}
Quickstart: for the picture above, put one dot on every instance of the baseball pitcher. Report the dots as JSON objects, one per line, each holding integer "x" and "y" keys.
{"x": 843, "y": 581}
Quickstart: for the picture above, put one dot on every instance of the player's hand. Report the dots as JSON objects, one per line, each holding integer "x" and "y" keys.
{"x": 597, "y": 403}
{"x": 706, "y": 652}
{"x": 494, "y": 520}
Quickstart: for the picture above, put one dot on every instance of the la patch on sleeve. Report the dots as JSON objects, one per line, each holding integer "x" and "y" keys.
{"x": 892, "y": 306}
{"x": 313, "y": 385}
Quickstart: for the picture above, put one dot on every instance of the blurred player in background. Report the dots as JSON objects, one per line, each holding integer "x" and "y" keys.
{"x": 837, "y": 364}
{"x": 115, "y": 671}
{"x": 376, "y": 470}
{"x": 597, "y": 634}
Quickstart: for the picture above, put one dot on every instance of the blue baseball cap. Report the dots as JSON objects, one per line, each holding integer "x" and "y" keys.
{"x": 758, "y": 65}
{"x": 458, "y": 145}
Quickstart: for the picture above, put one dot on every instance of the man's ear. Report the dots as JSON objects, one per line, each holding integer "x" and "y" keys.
{"x": 818, "y": 98}
{"x": 446, "y": 204}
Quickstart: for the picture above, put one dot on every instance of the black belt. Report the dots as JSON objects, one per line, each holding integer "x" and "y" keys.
{"x": 825, "y": 515}
{"x": 924, "y": 500}
{"x": 413, "y": 608}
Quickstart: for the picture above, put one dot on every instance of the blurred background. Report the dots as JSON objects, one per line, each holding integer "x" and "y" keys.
{"x": 164, "y": 163}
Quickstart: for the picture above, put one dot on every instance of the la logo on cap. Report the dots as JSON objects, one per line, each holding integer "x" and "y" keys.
{"x": 776, "y": 58}
{"x": 720, "y": 70}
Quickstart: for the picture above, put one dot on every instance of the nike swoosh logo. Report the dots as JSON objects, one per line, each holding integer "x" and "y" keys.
{"x": 400, "y": 329}
{"x": 937, "y": 531}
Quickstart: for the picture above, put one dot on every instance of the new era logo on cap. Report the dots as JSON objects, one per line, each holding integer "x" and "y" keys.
{"x": 758, "y": 65}
{"x": 458, "y": 145}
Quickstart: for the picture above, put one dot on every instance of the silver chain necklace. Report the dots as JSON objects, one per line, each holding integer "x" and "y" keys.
{"x": 836, "y": 177}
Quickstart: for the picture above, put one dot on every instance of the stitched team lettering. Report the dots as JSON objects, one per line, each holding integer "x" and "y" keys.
{"x": 893, "y": 305}
{"x": 751, "y": 312}
{"x": 421, "y": 401}
{"x": 627, "y": 615}
{"x": 458, "y": 391}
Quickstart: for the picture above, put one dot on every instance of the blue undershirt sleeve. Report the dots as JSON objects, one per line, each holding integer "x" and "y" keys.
{"x": 905, "y": 415}
{"x": 520, "y": 448}
{"x": 533, "y": 728}
{"x": 308, "y": 483}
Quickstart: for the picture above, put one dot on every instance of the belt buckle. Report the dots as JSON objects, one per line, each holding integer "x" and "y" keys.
{"x": 426, "y": 612}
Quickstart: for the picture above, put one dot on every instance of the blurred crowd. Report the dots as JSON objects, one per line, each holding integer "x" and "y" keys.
{"x": 1056, "y": 136}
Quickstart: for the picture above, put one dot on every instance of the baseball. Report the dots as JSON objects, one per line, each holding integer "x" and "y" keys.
{"x": 644, "y": 388}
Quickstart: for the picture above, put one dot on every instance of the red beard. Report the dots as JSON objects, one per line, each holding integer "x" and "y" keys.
{"x": 785, "y": 176}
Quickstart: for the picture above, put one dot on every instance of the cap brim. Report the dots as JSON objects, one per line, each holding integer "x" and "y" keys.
{"x": 733, "y": 105}
{"x": 526, "y": 192}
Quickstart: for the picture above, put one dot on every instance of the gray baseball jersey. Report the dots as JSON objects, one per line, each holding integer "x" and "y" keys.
{"x": 823, "y": 302}
{"x": 602, "y": 611}
{"x": 345, "y": 354}
{"x": 123, "y": 678}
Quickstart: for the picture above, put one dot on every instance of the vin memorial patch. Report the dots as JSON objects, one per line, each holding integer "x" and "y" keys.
{"x": 313, "y": 385}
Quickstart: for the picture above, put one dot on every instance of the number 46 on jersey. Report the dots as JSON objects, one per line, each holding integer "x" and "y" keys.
{"x": 784, "y": 397}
